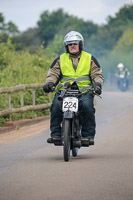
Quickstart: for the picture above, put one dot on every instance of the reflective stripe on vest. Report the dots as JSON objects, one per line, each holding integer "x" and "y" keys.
{"x": 76, "y": 79}
{"x": 81, "y": 75}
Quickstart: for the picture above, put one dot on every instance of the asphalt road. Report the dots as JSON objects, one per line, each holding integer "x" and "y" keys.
{"x": 31, "y": 169}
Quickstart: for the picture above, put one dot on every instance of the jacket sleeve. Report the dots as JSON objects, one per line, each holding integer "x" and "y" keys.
{"x": 54, "y": 72}
{"x": 96, "y": 73}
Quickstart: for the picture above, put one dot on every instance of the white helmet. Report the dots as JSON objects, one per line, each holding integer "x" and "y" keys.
{"x": 120, "y": 66}
{"x": 74, "y": 37}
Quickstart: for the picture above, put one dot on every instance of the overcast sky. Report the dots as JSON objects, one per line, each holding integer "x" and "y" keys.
{"x": 26, "y": 13}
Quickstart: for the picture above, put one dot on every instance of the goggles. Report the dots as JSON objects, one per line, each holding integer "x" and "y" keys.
{"x": 72, "y": 42}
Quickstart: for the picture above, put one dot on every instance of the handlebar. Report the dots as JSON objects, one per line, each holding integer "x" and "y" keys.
{"x": 93, "y": 91}
{"x": 68, "y": 86}
{"x": 60, "y": 97}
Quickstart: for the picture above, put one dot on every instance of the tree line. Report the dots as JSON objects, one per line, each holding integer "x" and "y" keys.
{"x": 25, "y": 57}
{"x": 109, "y": 40}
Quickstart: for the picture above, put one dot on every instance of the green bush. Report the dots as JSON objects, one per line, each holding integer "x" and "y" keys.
{"x": 23, "y": 68}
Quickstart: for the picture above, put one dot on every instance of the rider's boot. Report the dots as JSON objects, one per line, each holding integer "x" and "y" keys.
{"x": 51, "y": 140}
{"x": 90, "y": 139}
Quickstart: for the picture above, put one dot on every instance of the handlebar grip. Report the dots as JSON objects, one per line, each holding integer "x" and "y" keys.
{"x": 60, "y": 97}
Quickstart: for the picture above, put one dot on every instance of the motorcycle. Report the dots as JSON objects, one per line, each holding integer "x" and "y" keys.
{"x": 71, "y": 138}
{"x": 123, "y": 83}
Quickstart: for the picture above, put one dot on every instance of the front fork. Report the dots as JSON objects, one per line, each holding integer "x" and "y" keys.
{"x": 75, "y": 127}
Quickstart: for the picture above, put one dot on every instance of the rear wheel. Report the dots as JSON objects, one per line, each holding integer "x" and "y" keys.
{"x": 66, "y": 136}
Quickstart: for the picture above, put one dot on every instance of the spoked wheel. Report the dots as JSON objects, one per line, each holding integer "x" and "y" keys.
{"x": 67, "y": 142}
{"x": 75, "y": 152}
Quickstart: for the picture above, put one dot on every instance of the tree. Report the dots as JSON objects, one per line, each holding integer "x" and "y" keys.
{"x": 56, "y": 47}
{"x": 61, "y": 23}
{"x": 103, "y": 41}
{"x": 11, "y": 29}
{"x": 7, "y": 29}
{"x": 28, "y": 40}
{"x": 125, "y": 43}
{"x": 122, "y": 18}
{"x": 1, "y": 22}
{"x": 50, "y": 24}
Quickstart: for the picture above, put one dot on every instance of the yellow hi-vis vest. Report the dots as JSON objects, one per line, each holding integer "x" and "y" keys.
{"x": 81, "y": 75}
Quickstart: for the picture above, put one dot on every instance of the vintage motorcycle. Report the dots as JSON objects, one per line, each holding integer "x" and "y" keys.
{"x": 123, "y": 83}
{"x": 71, "y": 138}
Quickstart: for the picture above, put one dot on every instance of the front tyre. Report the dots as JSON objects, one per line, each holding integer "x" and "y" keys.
{"x": 66, "y": 136}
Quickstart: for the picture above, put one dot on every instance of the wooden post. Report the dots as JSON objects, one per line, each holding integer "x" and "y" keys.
{"x": 49, "y": 99}
{"x": 9, "y": 104}
{"x": 22, "y": 102}
{"x": 33, "y": 96}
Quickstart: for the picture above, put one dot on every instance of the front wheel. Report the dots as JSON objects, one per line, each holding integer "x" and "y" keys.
{"x": 66, "y": 136}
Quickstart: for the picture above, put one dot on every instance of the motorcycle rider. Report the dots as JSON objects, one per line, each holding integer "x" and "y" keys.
{"x": 122, "y": 70}
{"x": 81, "y": 69}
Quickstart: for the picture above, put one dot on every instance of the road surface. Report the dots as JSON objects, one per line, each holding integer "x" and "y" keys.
{"x": 31, "y": 169}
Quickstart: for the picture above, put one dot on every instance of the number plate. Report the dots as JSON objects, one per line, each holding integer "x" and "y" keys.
{"x": 70, "y": 103}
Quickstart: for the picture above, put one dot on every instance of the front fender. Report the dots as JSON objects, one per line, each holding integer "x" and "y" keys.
{"x": 68, "y": 115}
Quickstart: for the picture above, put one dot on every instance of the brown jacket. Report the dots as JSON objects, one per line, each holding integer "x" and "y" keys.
{"x": 54, "y": 73}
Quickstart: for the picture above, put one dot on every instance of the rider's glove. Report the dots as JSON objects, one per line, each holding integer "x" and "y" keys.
{"x": 48, "y": 87}
{"x": 97, "y": 88}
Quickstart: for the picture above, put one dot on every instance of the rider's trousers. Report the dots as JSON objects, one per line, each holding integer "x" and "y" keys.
{"x": 87, "y": 115}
